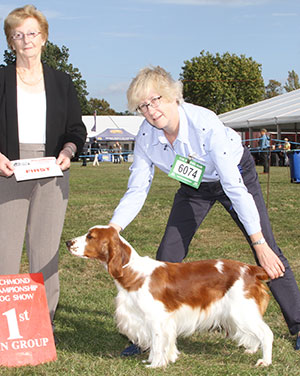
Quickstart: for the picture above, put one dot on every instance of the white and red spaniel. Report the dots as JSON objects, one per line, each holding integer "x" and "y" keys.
{"x": 159, "y": 301}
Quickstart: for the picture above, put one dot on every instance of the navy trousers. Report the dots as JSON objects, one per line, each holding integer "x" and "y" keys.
{"x": 264, "y": 155}
{"x": 191, "y": 206}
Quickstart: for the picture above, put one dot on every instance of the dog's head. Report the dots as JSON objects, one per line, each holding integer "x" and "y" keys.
{"x": 102, "y": 243}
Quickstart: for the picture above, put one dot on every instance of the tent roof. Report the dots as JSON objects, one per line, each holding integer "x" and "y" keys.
{"x": 115, "y": 134}
{"x": 283, "y": 110}
{"x": 130, "y": 122}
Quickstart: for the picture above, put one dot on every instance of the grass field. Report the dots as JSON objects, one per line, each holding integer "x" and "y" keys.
{"x": 89, "y": 342}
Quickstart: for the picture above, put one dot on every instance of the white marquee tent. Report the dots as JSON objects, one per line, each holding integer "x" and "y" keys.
{"x": 278, "y": 114}
{"x": 130, "y": 123}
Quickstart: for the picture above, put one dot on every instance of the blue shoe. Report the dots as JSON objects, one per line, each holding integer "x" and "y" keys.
{"x": 132, "y": 350}
{"x": 297, "y": 347}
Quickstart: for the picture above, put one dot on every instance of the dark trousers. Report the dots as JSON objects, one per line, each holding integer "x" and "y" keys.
{"x": 191, "y": 206}
{"x": 265, "y": 160}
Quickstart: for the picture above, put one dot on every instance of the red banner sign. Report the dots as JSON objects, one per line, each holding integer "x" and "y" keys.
{"x": 26, "y": 336}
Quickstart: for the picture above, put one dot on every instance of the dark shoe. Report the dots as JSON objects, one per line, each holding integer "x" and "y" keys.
{"x": 297, "y": 347}
{"x": 131, "y": 350}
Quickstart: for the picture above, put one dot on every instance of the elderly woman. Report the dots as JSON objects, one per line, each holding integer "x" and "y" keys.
{"x": 39, "y": 116}
{"x": 212, "y": 165}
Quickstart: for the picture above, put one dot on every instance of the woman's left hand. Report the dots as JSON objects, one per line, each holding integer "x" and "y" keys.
{"x": 269, "y": 261}
{"x": 63, "y": 160}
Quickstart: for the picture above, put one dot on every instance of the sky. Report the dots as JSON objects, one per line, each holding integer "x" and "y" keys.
{"x": 109, "y": 41}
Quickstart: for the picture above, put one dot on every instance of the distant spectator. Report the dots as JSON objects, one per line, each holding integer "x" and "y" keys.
{"x": 286, "y": 145}
{"x": 83, "y": 159}
{"x": 264, "y": 146}
{"x": 119, "y": 147}
{"x": 116, "y": 153}
{"x": 96, "y": 159}
{"x": 94, "y": 147}
{"x": 274, "y": 156}
{"x": 286, "y": 148}
{"x": 279, "y": 148}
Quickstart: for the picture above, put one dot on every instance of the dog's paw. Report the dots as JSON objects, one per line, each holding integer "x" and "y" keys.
{"x": 155, "y": 366}
{"x": 250, "y": 351}
{"x": 157, "y": 363}
{"x": 262, "y": 363}
{"x": 174, "y": 356}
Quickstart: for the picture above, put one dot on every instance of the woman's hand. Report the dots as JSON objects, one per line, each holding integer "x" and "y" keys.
{"x": 65, "y": 156}
{"x": 269, "y": 261}
{"x": 64, "y": 160}
{"x": 6, "y": 167}
{"x": 115, "y": 226}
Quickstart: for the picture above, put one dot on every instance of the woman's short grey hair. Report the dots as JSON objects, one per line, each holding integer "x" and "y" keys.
{"x": 153, "y": 79}
{"x": 17, "y": 16}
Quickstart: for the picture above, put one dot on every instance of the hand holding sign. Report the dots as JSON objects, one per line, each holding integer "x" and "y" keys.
{"x": 36, "y": 168}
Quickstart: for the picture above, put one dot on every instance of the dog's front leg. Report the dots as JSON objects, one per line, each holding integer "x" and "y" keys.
{"x": 163, "y": 344}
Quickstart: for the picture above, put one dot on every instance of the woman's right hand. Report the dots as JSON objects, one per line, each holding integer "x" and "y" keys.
{"x": 6, "y": 167}
{"x": 115, "y": 226}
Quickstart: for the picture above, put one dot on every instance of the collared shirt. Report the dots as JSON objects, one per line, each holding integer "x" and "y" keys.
{"x": 264, "y": 142}
{"x": 203, "y": 135}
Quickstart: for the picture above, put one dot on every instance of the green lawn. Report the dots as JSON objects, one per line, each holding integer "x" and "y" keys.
{"x": 89, "y": 342}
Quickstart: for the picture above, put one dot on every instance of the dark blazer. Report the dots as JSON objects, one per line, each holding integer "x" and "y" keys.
{"x": 63, "y": 118}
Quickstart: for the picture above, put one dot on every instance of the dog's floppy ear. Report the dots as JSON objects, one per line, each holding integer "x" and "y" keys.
{"x": 114, "y": 265}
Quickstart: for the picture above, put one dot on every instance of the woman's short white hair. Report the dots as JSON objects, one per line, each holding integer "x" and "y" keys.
{"x": 153, "y": 79}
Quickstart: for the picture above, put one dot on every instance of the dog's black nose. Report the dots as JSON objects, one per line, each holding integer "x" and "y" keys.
{"x": 69, "y": 243}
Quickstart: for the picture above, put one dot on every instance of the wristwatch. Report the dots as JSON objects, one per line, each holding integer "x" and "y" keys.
{"x": 260, "y": 241}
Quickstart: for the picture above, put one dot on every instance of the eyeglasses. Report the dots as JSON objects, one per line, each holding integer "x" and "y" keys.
{"x": 155, "y": 102}
{"x": 18, "y": 35}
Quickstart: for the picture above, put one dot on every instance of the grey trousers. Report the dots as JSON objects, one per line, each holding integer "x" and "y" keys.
{"x": 191, "y": 206}
{"x": 34, "y": 210}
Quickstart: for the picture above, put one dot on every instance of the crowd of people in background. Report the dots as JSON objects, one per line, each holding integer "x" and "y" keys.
{"x": 271, "y": 153}
{"x": 268, "y": 153}
{"x": 279, "y": 155}
{"x": 94, "y": 152}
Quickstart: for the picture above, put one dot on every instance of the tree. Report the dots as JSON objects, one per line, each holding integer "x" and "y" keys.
{"x": 292, "y": 82}
{"x": 8, "y": 57}
{"x": 101, "y": 106}
{"x": 273, "y": 89}
{"x": 58, "y": 59}
{"x": 222, "y": 82}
